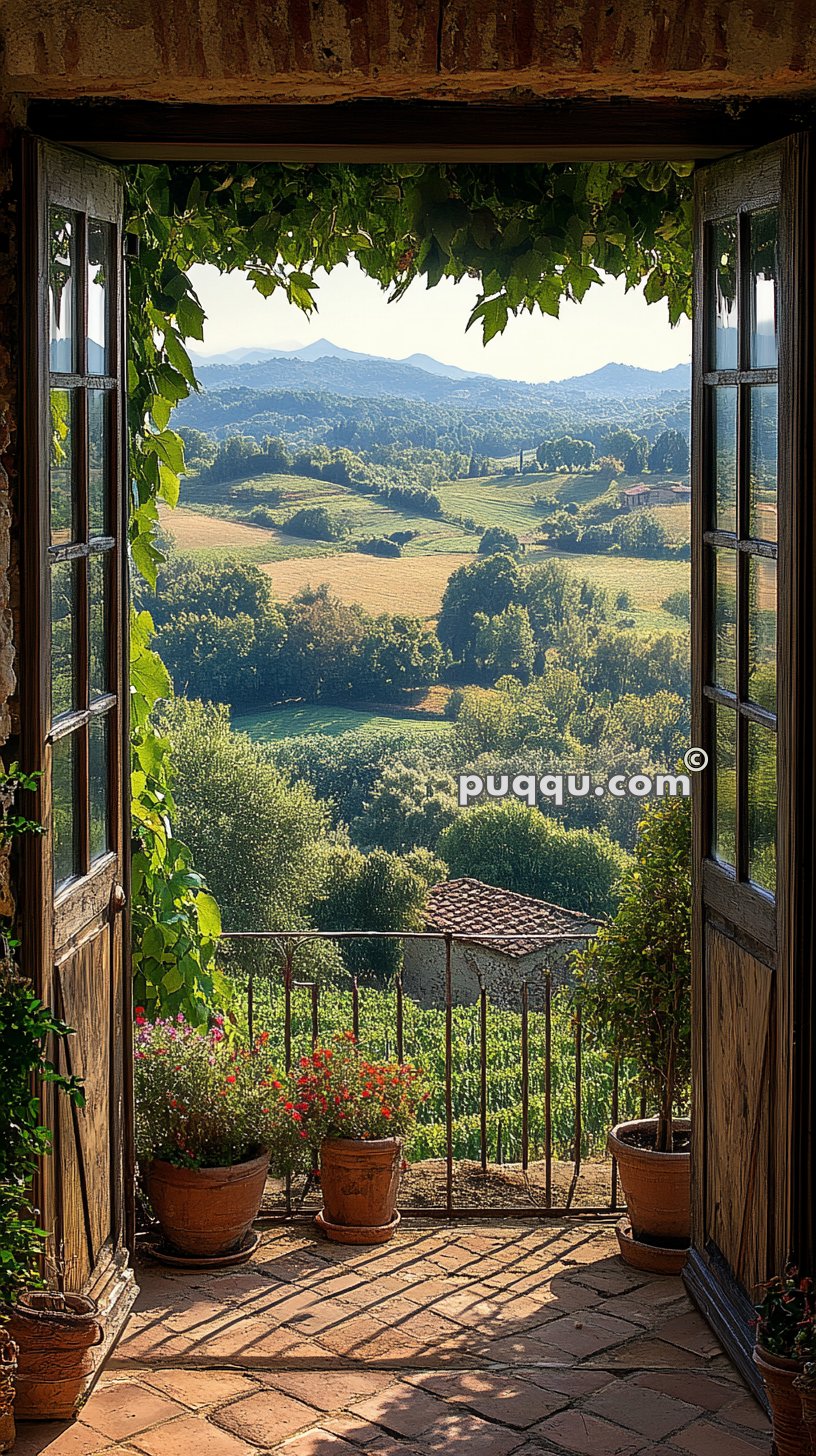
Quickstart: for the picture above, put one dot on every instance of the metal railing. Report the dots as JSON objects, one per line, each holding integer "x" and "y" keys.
{"x": 277, "y": 975}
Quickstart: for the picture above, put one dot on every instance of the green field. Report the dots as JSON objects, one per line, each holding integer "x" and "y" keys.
{"x": 291, "y": 722}
{"x": 647, "y": 582}
{"x": 363, "y": 515}
{"x": 215, "y": 522}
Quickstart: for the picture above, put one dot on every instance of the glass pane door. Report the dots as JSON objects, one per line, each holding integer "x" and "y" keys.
{"x": 82, "y": 546}
{"x": 740, "y": 487}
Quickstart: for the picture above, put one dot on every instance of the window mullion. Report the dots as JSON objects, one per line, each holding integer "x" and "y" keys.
{"x": 82, "y": 793}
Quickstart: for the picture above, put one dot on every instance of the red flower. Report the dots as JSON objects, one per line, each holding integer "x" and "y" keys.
{"x": 231, "y": 1079}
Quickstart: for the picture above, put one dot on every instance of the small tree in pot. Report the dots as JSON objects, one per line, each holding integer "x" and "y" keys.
{"x": 634, "y": 987}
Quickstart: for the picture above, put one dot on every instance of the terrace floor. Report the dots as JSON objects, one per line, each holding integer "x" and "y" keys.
{"x": 483, "y": 1339}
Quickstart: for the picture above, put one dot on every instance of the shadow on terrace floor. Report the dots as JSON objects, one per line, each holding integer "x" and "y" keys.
{"x": 486, "y": 1339}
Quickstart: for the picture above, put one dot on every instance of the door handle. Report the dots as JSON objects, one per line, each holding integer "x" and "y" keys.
{"x": 118, "y": 899}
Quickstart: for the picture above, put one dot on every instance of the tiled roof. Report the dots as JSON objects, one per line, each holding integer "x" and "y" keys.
{"x": 637, "y": 490}
{"x": 469, "y": 908}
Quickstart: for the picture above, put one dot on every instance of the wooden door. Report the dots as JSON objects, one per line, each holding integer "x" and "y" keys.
{"x": 74, "y": 697}
{"x": 752, "y": 599}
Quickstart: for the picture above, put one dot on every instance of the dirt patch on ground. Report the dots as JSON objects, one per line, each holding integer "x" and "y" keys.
{"x": 502, "y": 1186}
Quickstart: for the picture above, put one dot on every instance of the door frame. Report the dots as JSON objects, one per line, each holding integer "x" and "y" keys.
{"x": 135, "y": 130}
{"x": 35, "y": 891}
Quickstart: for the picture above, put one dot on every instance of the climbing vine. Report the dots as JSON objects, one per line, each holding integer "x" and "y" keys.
{"x": 533, "y": 236}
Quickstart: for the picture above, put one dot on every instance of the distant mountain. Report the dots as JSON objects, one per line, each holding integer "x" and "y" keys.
{"x": 242, "y": 356}
{"x": 449, "y": 371}
{"x": 324, "y": 365}
{"x": 627, "y": 380}
{"x": 287, "y": 349}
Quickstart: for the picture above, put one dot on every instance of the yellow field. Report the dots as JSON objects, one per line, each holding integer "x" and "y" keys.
{"x": 192, "y": 531}
{"x": 412, "y": 584}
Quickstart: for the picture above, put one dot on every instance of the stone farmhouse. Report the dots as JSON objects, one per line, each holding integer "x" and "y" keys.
{"x": 539, "y": 939}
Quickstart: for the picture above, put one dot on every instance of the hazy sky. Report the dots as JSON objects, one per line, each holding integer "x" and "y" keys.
{"x": 609, "y": 326}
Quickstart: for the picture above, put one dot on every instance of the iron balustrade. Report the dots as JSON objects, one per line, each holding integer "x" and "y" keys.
{"x": 287, "y": 944}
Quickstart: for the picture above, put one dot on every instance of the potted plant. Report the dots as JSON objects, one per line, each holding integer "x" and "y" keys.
{"x": 8, "y": 1370}
{"x": 206, "y": 1123}
{"x": 54, "y": 1334}
{"x": 806, "y": 1386}
{"x": 46, "y": 1349}
{"x": 354, "y": 1115}
{"x": 785, "y": 1342}
{"x": 633, "y": 982}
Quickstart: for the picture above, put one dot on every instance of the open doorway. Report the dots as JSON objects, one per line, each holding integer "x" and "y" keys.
{"x": 415, "y": 585}
{"x": 501, "y": 640}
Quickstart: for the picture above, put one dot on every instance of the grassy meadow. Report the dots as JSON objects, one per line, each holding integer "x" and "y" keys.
{"x": 415, "y": 582}
{"x": 293, "y": 721}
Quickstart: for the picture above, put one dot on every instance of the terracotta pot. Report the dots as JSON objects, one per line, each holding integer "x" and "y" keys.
{"x": 806, "y": 1388}
{"x": 207, "y": 1211}
{"x": 8, "y": 1371}
{"x": 56, "y": 1335}
{"x": 790, "y": 1436}
{"x": 360, "y": 1181}
{"x": 657, "y": 1186}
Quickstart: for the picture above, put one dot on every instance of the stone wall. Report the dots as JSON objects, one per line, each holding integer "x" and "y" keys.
{"x": 307, "y": 50}
{"x": 9, "y": 574}
{"x": 423, "y": 976}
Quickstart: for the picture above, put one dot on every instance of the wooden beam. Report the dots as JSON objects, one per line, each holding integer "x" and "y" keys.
{"x": 376, "y": 131}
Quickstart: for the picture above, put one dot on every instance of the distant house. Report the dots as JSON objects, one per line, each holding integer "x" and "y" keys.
{"x": 544, "y": 935}
{"x": 664, "y": 494}
{"x": 634, "y": 496}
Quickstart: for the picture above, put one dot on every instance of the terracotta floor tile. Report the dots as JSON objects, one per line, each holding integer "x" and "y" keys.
{"x": 318, "y": 1442}
{"x": 123, "y": 1409}
{"x": 237, "y": 1338}
{"x": 610, "y": 1276}
{"x": 401, "y": 1409}
{"x": 707, "y": 1438}
{"x": 524, "y": 1349}
{"x": 637, "y": 1408}
{"x": 57, "y": 1438}
{"x": 200, "y": 1388}
{"x": 587, "y": 1333}
{"x": 266, "y": 1417}
{"x": 150, "y": 1341}
{"x": 353, "y": 1428}
{"x": 648, "y": 1351}
{"x": 191, "y": 1436}
{"x": 587, "y": 1435}
{"x": 460, "y": 1433}
{"x": 495, "y": 1395}
{"x": 315, "y": 1349}
{"x": 689, "y": 1385}
{"x": 352, "y": 1336}
{"x": 199, "y": 1314}
{"x": 329, "y": 1390}
{"x": 745, "y": 1411}
{"x": 690, "y": 1332}
{"x": 573, "y": 1383}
